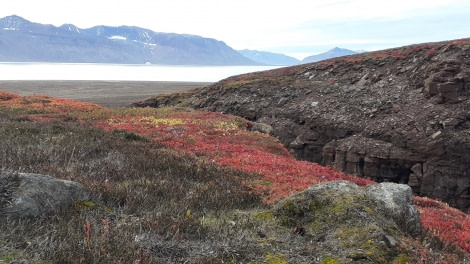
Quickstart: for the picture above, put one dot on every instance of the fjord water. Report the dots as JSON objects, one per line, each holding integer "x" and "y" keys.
{"x": 121, "y": 72}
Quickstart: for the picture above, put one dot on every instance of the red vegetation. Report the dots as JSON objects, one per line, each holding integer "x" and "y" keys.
{"x": 383, "y": 55}
{"x": 44, "y": 103}
{"x": 462, "y": 41}
{"x": 225, "y": 140}
{"x": 447, "y": 223}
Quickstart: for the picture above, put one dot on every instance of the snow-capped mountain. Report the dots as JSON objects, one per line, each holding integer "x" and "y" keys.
{"x": 22, "y": 40}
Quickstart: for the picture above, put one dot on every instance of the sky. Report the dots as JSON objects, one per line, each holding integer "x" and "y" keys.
{"x": 297, "y": 28}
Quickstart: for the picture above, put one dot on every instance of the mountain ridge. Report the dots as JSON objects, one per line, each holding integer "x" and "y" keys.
{"x": 332, "y": 53}
{"x": 23, "y": 40}
{"x": 269, "y": 58}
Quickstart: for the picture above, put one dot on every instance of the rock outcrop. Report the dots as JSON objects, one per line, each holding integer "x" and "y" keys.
{"x": 353, "y": 223}
{"x": 400, "y": 115}
{"x": 30, "y": 195}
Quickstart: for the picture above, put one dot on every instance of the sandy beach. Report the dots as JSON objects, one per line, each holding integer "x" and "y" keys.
{"x": 104, "y": 93}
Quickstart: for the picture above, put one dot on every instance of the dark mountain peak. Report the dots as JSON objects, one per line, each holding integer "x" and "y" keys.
{"x": 13, "y": 22}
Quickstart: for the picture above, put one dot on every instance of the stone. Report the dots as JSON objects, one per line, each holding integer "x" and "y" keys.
{"x": 262, "y": 128}
{"x": 25, "y": 195}
{"x": 342, "y": 213}
{"x": 397, "y": 201}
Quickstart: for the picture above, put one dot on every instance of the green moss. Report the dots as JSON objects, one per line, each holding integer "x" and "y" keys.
{"x": 276, "y": 259}
{"x": 266, "y": 183}
{"x": 82, "y": 205}
{"x": 9, "y": 256}
{"x": 273, "y": 259}
{"x": 85, "y": 204}
{"x": 401, "y": 259}
{"x": 329, "y": 260}
{"x": 267, "y": 215}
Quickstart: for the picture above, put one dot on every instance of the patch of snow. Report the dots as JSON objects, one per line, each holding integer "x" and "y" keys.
{"x": 10, "y": 28}
{"x": 118, "y": 37}
{"x": 146, "y": 35}
{"x": 145, "y": 43}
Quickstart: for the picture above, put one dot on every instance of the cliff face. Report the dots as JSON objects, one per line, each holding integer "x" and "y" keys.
{"x": 399, "y": 115}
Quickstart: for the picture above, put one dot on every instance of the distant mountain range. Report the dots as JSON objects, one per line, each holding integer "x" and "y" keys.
{"x": 269, "y": 58}
{"x": 22, "y": 40}
{"x": 25, "y": 41}
{"x": 333, "y": 53}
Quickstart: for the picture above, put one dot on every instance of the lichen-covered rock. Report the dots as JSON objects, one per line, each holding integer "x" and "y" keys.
{"x": 397, "y": 200}
{"x": 350, "y": 222}
{"x": 262, "y": 128}
{"x": 31, "y": 195}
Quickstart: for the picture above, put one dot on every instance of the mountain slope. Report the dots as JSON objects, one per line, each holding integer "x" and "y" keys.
{"x": 333, "y": 53}
{"x": 269, "y": 58}
{"x": 22, "y": 40}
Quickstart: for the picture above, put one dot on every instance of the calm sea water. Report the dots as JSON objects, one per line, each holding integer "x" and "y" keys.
{"x": 121, "y": 72}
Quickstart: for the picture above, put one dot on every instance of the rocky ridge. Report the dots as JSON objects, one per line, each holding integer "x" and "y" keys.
{"x": 398, "y": 115}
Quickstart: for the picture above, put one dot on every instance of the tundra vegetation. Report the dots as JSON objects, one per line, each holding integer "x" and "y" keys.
{"x": 174, "y": 185}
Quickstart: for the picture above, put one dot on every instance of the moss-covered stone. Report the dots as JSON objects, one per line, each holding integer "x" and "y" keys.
{"x": 343, "y": 218}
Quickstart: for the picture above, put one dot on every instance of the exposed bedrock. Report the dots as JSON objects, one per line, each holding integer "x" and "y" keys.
{"x": 400, "y": 115}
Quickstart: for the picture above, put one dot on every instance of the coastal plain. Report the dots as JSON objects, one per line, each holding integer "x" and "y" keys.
{"x": 104, "y": 93}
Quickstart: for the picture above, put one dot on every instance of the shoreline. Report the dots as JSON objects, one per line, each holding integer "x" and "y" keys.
{"x": 104, "y": 93}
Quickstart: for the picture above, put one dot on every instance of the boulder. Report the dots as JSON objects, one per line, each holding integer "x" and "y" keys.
{"x": 262, "y": 128}
{"x": 397, "y": 201}
{"x": 354, "y": 223}
{"x": 30, "y": 195}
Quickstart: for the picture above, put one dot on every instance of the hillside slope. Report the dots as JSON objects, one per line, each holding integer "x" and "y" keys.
{"x": 174, "y": 185}
{"x": 399, "y": 115}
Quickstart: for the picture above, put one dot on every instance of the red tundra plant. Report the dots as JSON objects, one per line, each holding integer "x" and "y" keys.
{"x": 445, "y": 222}
{"x": 224, "y": 140}
{"x": 462, "y": 41}
{"x": 45, "y": 103}
{"x": 7, "y": 96}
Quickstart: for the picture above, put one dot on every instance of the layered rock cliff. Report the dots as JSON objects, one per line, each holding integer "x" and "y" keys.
{"x": 399, "y": 115}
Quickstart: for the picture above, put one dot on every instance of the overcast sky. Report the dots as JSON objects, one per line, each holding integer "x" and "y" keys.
{"x": 297, "y": 27}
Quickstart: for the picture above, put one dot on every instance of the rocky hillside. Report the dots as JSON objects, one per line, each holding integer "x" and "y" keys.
{"x": 399, "y": 115}
{"x": 174, "y": 185}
